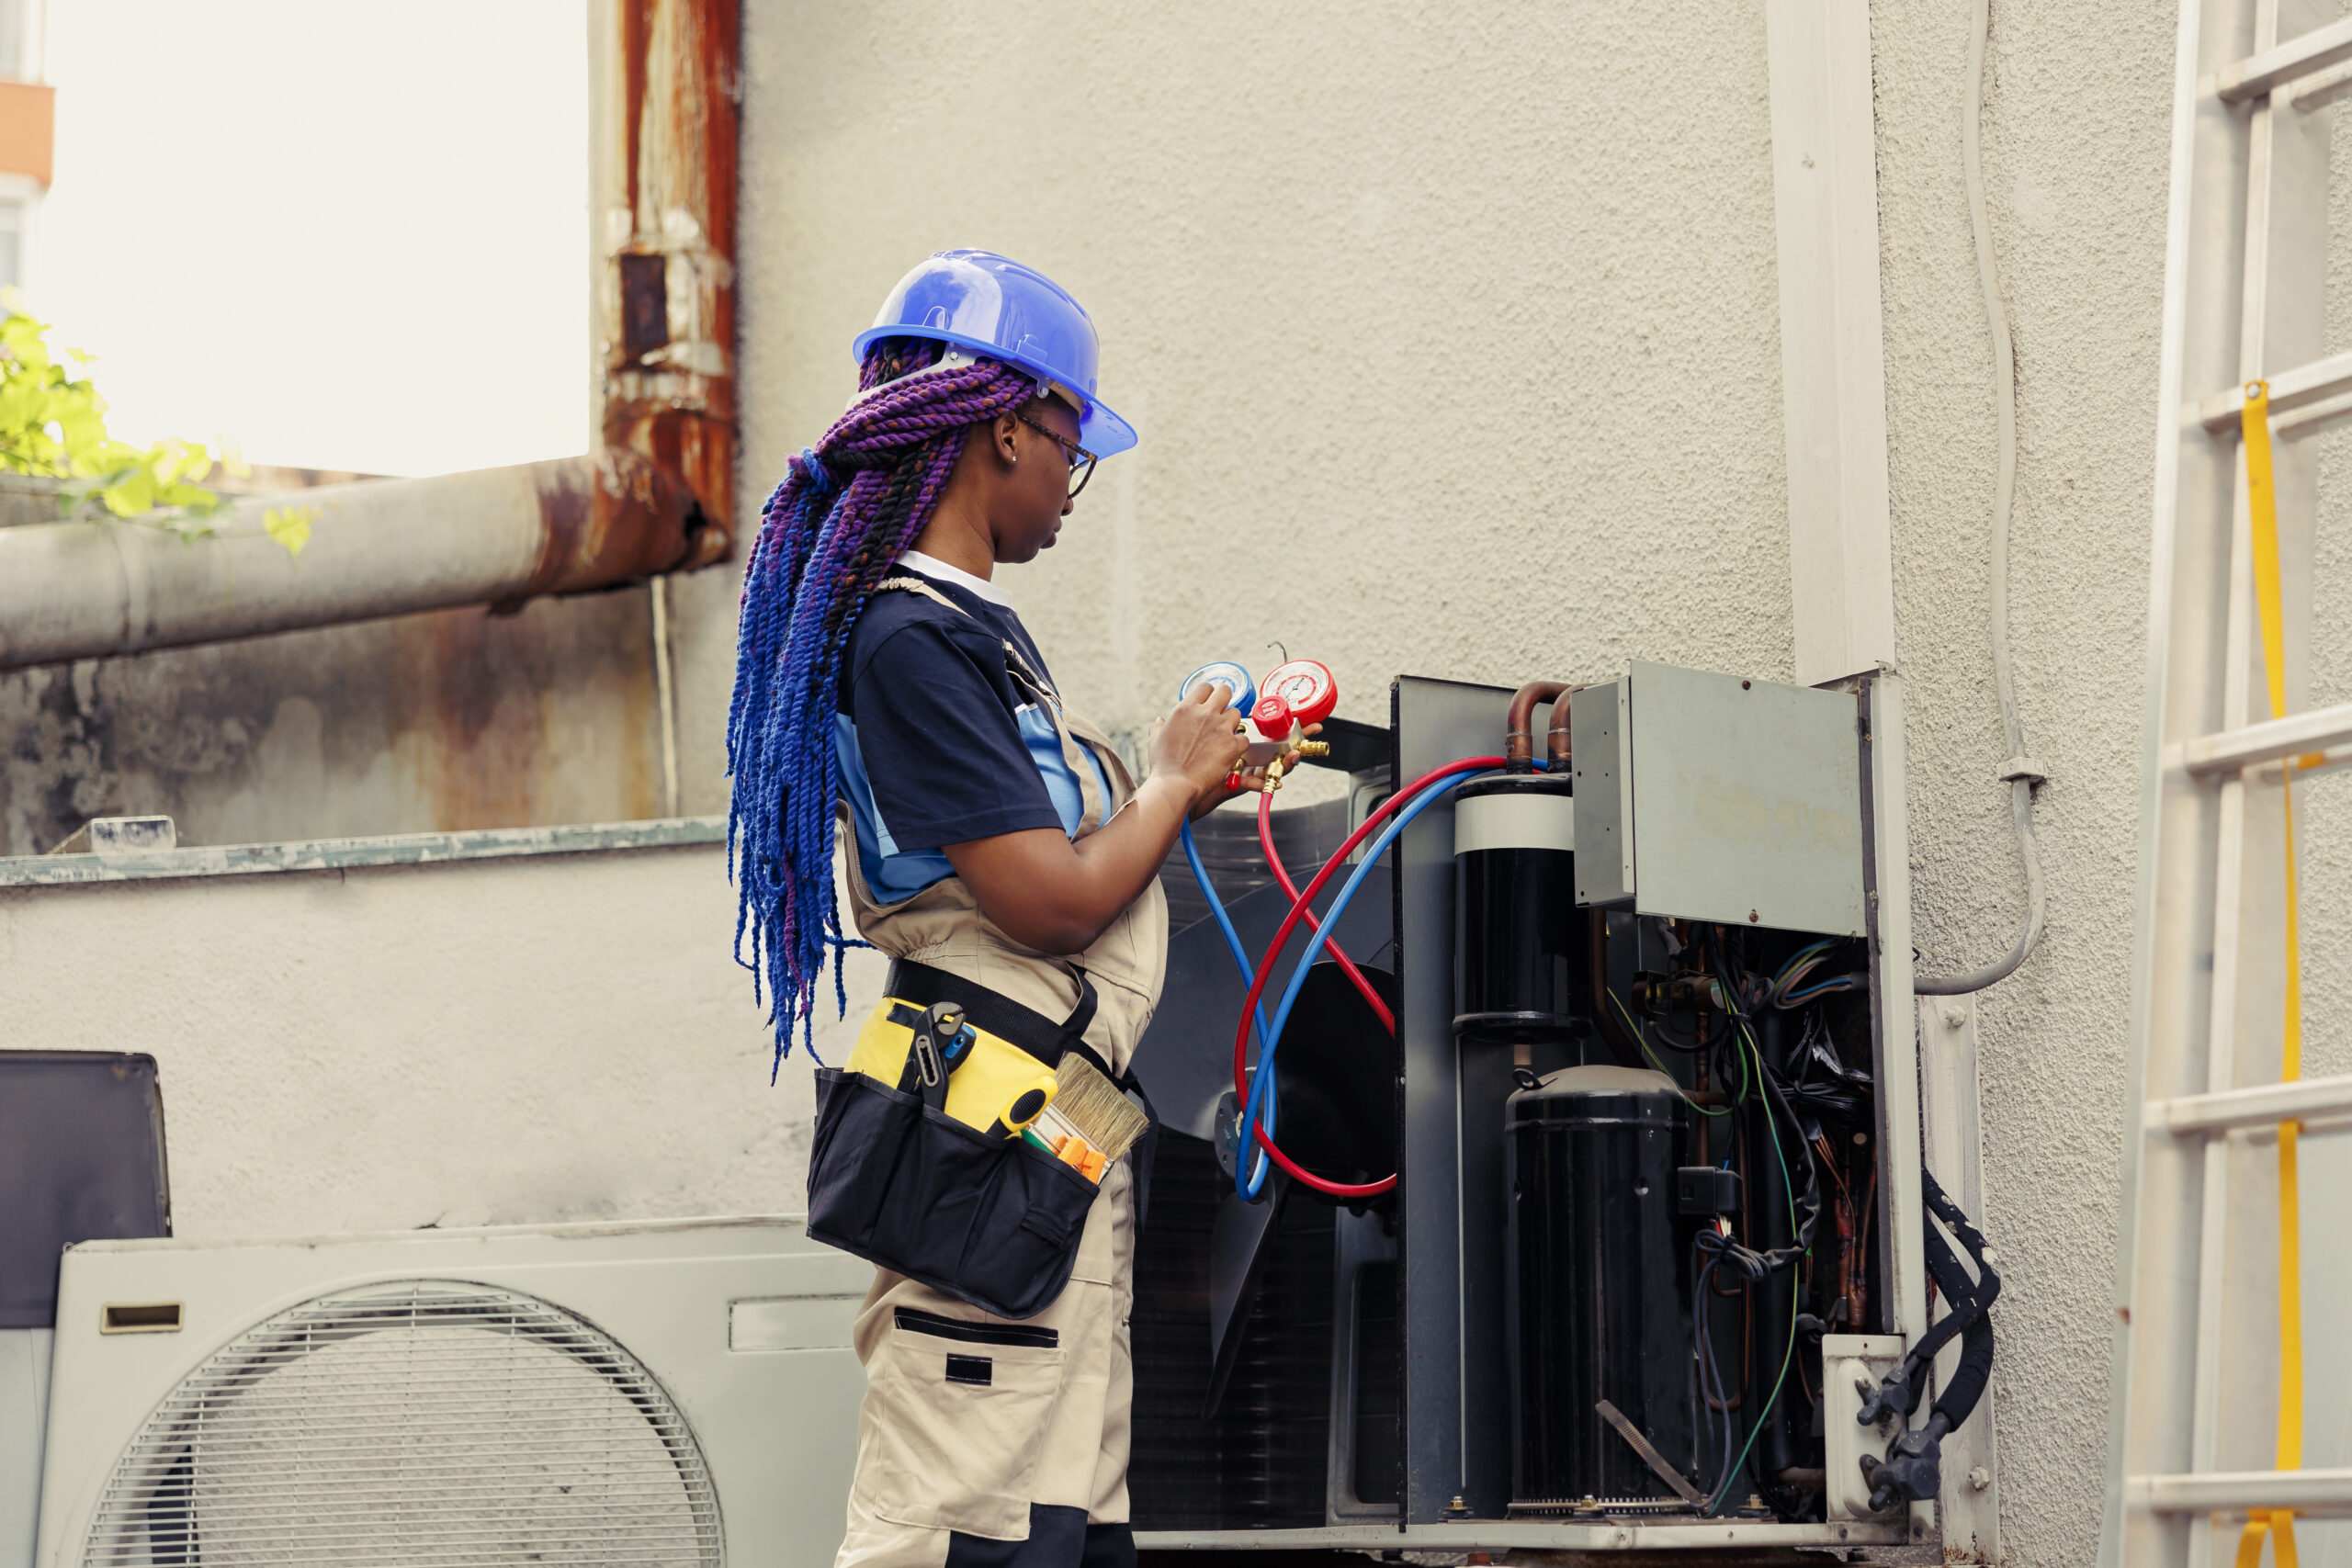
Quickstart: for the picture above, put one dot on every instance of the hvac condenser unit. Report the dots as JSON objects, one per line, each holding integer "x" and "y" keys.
{"x": 672, "y": 1392}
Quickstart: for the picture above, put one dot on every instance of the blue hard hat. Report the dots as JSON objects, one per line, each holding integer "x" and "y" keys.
{"x": 996, "y": 306}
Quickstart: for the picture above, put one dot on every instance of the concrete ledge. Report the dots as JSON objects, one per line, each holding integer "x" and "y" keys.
{"x": 338, "y": 855}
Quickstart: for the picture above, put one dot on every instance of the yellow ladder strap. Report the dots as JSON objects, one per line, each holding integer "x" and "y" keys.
{"x": 2262, "y": 506}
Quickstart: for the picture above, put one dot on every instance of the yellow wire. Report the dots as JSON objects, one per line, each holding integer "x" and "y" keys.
{"x": 1661, "y": 1066}
{"x": 2262, "y": 506}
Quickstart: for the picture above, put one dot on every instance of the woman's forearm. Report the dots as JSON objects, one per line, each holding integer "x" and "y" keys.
{"x": 1048, "y": 893}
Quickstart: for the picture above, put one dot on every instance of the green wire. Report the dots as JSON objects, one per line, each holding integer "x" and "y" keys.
{"x": 1788, "y": 1189}
{"x": 1788, "y": 1357}
{"x": 1661, "y": 1066}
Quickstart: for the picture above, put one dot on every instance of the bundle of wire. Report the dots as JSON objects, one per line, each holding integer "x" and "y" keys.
{"x": 1791, "y": 989}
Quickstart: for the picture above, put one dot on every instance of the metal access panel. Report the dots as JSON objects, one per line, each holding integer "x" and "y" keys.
{"x": 1714, "y": 798}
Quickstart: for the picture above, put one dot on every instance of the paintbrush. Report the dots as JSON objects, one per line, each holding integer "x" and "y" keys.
{"x": 1095, "y": 1109}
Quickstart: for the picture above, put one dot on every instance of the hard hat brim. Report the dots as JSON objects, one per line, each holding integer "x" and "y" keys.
{"x": 1100, "y": 431}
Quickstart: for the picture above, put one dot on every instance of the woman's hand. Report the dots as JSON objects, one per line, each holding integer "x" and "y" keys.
{"x": 1198, "y": 746}
{"x": 1251, "y": 777}
{"x": 1056, "y": 896}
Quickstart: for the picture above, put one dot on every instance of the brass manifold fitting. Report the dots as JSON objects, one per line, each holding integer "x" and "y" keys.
{"x": 1276, "y": 769}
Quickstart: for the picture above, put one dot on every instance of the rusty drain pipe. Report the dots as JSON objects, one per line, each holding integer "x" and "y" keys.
{"x": 664, "y": 171}
{"x": 664, "y": 166}
{"x": 494, "y": 536}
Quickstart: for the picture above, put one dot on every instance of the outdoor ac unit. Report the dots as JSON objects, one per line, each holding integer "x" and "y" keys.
{"x": 672, "y": 1393}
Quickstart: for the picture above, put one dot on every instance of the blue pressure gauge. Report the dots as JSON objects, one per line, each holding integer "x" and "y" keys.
{"x": 1241, "y": 692}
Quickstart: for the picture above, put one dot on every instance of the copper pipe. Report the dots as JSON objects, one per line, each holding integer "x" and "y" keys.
{"x": 1518, "y": 745}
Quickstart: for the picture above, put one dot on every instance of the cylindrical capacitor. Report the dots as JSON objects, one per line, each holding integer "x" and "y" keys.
{"x": 1521, "y": 968}
{"x": 1598, "y": 1285}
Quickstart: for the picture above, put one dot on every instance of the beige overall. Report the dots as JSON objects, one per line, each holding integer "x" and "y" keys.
{"x": 936, "y": 1455}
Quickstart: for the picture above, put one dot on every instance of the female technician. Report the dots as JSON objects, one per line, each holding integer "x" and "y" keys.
{"x": 1003, "y": 857}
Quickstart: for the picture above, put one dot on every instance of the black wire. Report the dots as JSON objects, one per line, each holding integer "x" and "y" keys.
{"x": 1712, "y": 1395}
{"x": 1721, "y": 1250}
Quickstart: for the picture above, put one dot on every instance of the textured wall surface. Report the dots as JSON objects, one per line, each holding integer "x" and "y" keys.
{"x": 1433, "y": 373}
{"x": 549, "y": 1038}
{"x": 2075, "y": 168}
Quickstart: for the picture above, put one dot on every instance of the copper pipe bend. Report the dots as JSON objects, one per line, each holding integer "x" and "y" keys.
{"x": 1518, "y": 745}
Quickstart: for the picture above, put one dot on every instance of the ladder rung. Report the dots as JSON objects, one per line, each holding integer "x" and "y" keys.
{"x": 2234, "y": 1492}
{"x": 2303, "y": 388}
{"x": 2260, "y": 1106}
{"x": 2297, "y": 735}
{"x": 2315, "y": 51}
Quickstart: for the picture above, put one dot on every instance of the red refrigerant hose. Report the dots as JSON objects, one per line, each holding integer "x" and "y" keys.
{"x": 1266, "y": 970}
{"x": 1282, "y": 875}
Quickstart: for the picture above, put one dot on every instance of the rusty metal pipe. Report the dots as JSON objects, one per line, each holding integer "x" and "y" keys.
{"x": 494, "y": 536}
{"x": 666, "y": 300}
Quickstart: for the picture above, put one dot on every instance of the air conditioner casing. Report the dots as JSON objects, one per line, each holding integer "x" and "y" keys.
{"x": 742, "y": 1324}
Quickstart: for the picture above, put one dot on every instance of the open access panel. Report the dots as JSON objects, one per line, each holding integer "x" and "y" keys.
{"x": 1590, "y": 966}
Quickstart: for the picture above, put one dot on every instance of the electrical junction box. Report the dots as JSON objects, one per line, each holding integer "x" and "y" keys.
{"x": 1709, "y": 797}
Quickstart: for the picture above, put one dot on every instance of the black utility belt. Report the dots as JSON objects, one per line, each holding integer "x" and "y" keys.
{"x": 895, "y": 1178}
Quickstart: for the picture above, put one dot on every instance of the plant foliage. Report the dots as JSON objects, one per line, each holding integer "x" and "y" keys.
{"x": 53, "y": 425}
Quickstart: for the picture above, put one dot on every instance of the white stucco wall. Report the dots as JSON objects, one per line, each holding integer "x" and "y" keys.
{"x": 557, "y": 1037}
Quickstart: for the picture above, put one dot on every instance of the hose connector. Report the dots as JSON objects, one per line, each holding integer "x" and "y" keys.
{"x": 1312, "y": 749}
{"x": 1274, "y": 776}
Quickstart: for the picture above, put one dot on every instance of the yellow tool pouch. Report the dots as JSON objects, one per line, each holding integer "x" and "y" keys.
{"x": 989, "y": 1075}
{"x": 925, "y": 1190}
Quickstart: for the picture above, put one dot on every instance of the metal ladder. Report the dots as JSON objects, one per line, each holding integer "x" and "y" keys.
{"x": 2197, "y": 1339}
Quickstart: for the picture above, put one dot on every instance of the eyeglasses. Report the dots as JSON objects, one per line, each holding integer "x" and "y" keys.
{"x": 1082, "y": 461}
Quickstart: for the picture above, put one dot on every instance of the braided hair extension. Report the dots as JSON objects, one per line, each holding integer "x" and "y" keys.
{"x": 847, "y": 509}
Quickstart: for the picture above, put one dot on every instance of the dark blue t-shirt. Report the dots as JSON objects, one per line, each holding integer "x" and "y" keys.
{"x": 937, "y": 741}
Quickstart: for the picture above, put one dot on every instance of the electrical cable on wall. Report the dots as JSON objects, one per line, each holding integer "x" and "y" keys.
{"x": 2021, "y": 771}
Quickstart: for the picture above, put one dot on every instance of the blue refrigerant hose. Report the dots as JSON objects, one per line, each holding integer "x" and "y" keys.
{"x": 1261, "y": 1080}
{"x": 1249, "y": 973}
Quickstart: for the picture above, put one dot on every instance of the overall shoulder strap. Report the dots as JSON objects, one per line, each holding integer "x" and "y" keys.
{"x": 1015, "y": 664}
{"x": 922, "y": 590}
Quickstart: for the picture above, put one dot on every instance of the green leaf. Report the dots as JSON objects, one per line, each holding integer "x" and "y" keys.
{"x": 54, "y": 425}
{"x": 291, "y": 526}
{"x": 133, "y": 496}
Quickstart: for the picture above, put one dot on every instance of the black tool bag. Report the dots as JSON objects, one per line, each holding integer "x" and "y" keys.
{"x": 992, "y": 1220}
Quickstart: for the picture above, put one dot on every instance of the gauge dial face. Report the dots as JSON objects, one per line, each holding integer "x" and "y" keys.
{"x": 1240, "y": 692}
{"x": 1305, "y": 688}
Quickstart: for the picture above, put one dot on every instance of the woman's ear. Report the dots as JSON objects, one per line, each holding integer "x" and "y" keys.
{"x": 1003, "y": 427}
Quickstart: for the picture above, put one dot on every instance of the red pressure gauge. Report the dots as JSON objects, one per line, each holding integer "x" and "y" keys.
{"x": 1300, "y": 692}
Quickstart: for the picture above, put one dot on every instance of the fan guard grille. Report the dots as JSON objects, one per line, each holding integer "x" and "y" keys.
{"x": 426, "y": 1422}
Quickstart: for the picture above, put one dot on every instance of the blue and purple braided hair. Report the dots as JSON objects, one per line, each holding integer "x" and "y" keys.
{"x": 846, "y": 510}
